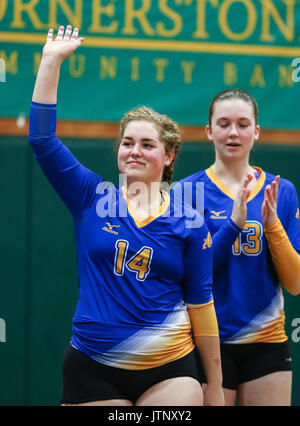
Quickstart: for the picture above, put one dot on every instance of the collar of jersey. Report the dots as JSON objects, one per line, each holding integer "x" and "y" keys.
{"x": 223, "y": 188}
{"x": 159, "y": 212}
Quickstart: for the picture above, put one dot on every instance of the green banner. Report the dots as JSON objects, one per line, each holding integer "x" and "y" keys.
{"x": 173, "y": 55}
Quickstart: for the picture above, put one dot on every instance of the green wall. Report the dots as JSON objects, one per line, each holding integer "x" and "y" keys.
{"x": 38, "y": 284}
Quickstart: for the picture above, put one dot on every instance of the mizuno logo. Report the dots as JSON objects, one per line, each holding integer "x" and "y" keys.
{"x": 217, "y": 215}
{"x": 110, "y": 228}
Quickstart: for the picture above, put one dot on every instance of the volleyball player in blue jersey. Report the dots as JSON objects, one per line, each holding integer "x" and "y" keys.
{"x": 143, "y": 282}
{"x": 253, "y": 217}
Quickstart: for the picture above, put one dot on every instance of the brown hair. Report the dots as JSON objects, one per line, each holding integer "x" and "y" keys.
{"x": 168, "y": 131}
{"x": 233, "y": 94}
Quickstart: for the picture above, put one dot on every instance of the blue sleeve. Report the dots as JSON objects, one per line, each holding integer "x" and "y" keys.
{"x": 223, "y": 239}
{"x": 74, "y": 183}
{"x": 198, "y": 264}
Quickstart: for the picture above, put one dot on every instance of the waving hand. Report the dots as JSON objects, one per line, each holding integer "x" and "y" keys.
{"x": 55, "y": 51}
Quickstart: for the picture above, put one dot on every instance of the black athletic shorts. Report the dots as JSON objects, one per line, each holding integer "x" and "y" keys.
{"x": 249, "y": 361}
{"x": 86, "y": 380}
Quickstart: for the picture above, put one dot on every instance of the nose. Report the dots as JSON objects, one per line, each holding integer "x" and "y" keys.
{"x": 136, "y": 151}
{"x": 233, "y": 130}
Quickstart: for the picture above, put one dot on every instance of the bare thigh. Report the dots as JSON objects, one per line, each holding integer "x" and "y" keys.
{"x": 273, "y": 389}
{"x": 105, "y": 403}
{"x": 176, "y": 391}
{"x": 229, "y": 395}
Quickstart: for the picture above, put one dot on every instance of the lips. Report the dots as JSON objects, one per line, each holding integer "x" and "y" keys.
{"x": 233, "y": 144}
{"x": 135, "y": 163}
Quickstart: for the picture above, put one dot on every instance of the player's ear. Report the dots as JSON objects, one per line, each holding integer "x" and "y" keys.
{"x": 208, "y": 132}
{"x": 169, "y": 157}
{"x": 256, "y": 132}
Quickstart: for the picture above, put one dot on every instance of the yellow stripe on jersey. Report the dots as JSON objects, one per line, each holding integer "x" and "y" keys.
{"x": 153, "y": 346}
{"x": 258, "y": 186}
{"x": 203, "y": 319}
{"x": 284, "y": 256}
{"x": 274, "y": 332}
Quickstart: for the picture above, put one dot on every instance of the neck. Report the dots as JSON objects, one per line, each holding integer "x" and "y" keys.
{"x": 233, "y": 170}
{"x": 144, "y": 198}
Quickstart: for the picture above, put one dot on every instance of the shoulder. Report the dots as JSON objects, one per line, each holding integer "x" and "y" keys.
{"x": 287, "y": 193}
{"x": 283, "y": 183}
{"x": 187, "y": 187}
{"x": 184, "y": 217}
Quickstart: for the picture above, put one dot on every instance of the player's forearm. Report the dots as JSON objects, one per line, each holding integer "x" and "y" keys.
{"x": 223, "y": 240}
{"x": 209, "y": 349}
{"x": 284, "y": 256}
{"x": 45, "y": 89}
{"x": 206, "y": 337}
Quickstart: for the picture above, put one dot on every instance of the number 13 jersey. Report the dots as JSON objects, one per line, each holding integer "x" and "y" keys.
{"x": 247, "y": 293}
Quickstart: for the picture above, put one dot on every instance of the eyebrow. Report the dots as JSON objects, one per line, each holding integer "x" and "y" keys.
{"x": 240, "y": 118}
{"x": 130, "y": 138}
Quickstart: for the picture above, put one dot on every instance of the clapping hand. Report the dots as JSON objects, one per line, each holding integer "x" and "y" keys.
{"x": 239, "y": 210}
{"x": 269, "y": 205}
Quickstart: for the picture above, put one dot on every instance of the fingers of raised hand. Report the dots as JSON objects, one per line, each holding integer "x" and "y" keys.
{"x": 50, "y": 35}
{"x": 68, "y": 32}
{"x": 63, "y": 35}
{"x": 75, "y": 33}
{"x": 75, "y": 36}
{"x": 60, "y": 33}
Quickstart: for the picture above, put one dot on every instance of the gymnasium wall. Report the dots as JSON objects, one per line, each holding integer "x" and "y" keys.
{"x": 38, "y": 285}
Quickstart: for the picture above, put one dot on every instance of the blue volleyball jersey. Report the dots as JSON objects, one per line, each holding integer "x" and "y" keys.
{"x": 135, "y": 277}
{"x": 247, "y": 294}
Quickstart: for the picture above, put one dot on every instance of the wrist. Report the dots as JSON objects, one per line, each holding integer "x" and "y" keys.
{"x": 270, "y": 223}
{"x": 51, "y": 60}
{"x": 237, "y": 222}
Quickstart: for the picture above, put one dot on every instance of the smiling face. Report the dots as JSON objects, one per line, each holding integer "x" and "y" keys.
{"x": 233, "y": 129}
{"x": 141, "y": 154}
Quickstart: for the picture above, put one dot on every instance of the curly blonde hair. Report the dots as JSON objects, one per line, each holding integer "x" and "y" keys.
{"x": 168, "y": 130}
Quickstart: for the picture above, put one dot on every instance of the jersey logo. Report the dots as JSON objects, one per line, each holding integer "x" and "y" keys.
{"x": 207, "y": 242}
{"x": 216, "y": 215}
{"x": 110, "y": 228}
{"x": 297, "y": 214}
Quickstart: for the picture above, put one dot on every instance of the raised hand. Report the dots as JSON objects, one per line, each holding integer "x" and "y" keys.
{"x": 54, "y": 53}
{"x": 65, "y": 43}
{"x": 269, "y": 205}
{"x": 239, "y": 210}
